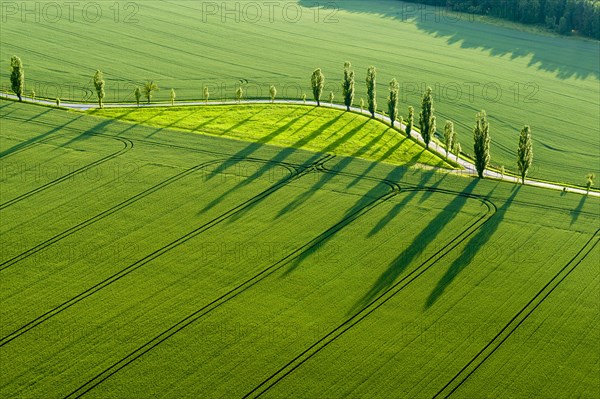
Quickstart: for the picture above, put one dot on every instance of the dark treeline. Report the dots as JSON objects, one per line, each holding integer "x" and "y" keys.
{"x": 561, "y": 16}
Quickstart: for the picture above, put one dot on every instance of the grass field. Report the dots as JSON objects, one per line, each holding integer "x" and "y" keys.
{"x": 143, "y": 261}
{"x": 550, "y": 83}
{"x": 290, "y": 126}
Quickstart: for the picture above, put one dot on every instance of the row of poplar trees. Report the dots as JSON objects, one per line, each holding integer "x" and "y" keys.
{"x": 427, "y": 119}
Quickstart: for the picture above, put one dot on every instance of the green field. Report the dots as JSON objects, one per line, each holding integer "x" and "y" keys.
{"x": 519, "y": 77}
{"x": 140, "y": 261}
{"x": 290, "y": 126}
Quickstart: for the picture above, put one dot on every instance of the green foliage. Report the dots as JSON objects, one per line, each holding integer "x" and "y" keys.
{"x": 348, "y": 86}
{"x": 481, "y": 146}
{"x": 331, "y": 97}
{"x": 524, "y": 153}
{"x": 32, "y": 94}
{"x": 304, "y": 98}
{"x": 17, "y": 76}
{"x": 148, "y": 89}
{"x": 449, "y": 136}
{"x": 426, "y": 118}
{"x": 58, "y": 102}
{"x": 362, "y": 105}
{"x": 372, "y": 90}
{"x": 590, "y": 181}
{"x": 239, "y": 93}
{"x": 272, "y": 93}
{"x": 206, "y": 93}
{"x": 99, "y": 86}
{"x": 138, "y": 94}
{"x": 457, "y": 150}
{"x": 317, "y": 82}
{"x": 410, "y": 121}
{"x": 583, "y": 16}
{"x": 393, "y": 101}
{"x": 172, "y": 96}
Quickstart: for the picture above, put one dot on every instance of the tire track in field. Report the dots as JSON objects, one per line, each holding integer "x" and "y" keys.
{"x": 159, "y": 252}
{"x": 127, "y": 145}
{"x": 231, "y": 294}
{"x": 381, "y": 299}
{"x": 489, "y": 349}
{"x": 149, "y": 142}
{"x": 122, "y": 205}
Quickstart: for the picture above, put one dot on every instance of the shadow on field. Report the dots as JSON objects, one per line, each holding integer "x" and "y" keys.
{"x": 246, "y": 152}
{"x": 415, "y": 249}
{"x": 324, "y": 178}
{"x": 577, "y": 211}
{"x": 37, "y": 138}
{"x": 99, "y": 128}
{"x": 544, "y": 52}
{"x": 471, "y": 249}
{"x": 375, "y": 192}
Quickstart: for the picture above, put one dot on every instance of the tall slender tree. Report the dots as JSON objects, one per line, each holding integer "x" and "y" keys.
{"x": 17, "y": 76}
{"x": 331, "y": 97}
{"x": 410, "y": 121}
{"x": 206, "y": 93}
{"x": 138, "y": 94}
{"x": 393, "y": 101}
{"x": 239, "y": 93}
{"x": 524, "y": 153}
{"x": 481, "y": 137}
{"x": 426, "y": 118}
{"x": 272, "y": 93}
{"x": 99, "y": 86}
{"x": 348, "y": 85}
{"x": 372, "y": 90}
{"x": 449, "y": 136}
{"x": 317, "y": 82}
{"x": 172, "y": 96}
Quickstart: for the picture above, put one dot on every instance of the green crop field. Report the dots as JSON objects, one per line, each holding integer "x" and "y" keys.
{"x": 140, "y": 261}
{"x": 519, "y": 77}
{"x": 213, "y": 249}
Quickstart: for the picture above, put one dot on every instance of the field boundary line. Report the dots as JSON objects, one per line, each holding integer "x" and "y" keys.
{"x": 381, "y": 299}
{"x": 516, "y": 321}
{"x": 226, "y": 297}
{"x": 127, "y": 145}
{"x": 157, "y": 253}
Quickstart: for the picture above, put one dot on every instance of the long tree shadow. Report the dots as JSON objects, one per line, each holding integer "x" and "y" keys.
{"x": 251, "y": 148}
{"x": 471, "y": 249}
{"x": 379, "y": 189}
{"x": 577, "y": 211}
{"x": 84, "y": 135}
{"x": 324, "y": 178}
{"x": 267, "y": 166}
{"x": 461, "y": 29}
{"x": 382, "y": 158}
{"x": 37, "y": 138}
{"x": 282, "y": 155}
{"x": 415, "y": 249}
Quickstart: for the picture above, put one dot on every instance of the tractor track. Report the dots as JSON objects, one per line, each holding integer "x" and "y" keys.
{"x": 157, "y": 253}
{"x": 122, "y": 205}
{"x": 488, "y": 350}
{"x": 231, "y": 294}
{"x": 127, "y": 145}
{"x": 381, "y": 299}
{"x": 140, "y": 140}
